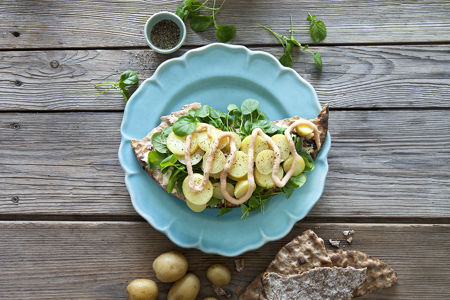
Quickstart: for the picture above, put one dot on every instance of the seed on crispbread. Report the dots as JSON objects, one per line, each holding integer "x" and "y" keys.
{"x": 379, "y": 274}
{"x": 318, "y": 283}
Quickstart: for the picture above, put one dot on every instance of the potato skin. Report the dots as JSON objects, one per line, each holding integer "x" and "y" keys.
{"x": 142, "y": 289}
{"x": 219, "y": 275}
{"x": 209, "y": 298}
{"x": 170, "y": 266}
{"x": 186, "y": 288}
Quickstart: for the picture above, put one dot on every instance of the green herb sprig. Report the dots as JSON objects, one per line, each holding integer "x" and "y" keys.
{"x": 127, "y": 78}
{"x": 317, "y": 28}
{"x": 288, "y": 44}
{"x": 190, "y": 9}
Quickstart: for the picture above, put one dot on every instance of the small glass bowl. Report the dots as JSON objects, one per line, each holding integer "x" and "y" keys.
{"x": 164, "y": 15}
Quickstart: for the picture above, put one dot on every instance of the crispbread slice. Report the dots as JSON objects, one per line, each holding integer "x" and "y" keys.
{"x": 304, "y": 252}
{"x": 143, "y": 146}
{"x": 379, "y": 274}
{"x": 319, "y": 283}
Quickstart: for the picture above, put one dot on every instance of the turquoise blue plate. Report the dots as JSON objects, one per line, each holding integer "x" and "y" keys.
{"x": 217, "y": 75}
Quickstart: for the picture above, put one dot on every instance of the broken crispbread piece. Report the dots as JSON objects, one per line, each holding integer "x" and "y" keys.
{"x": 318, "y": 283}
{"x": 379, "y": 274}
{"x": 304, "y": 252}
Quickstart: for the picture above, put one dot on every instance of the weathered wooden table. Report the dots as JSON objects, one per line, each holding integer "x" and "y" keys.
{"x": 67, "y": 227}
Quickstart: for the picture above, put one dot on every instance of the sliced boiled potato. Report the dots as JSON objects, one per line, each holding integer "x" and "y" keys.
{"x": 282, "y": 142}
{"x": 196, "y": 157}
{"x": 237, "y": 140}
{"x": 237, "y": 178}
{"x": 303, "y": 130}
{"x": 218, "y": 163}
{"x": 300, "y": 165}
{"x": 176, "y": 143}
{"x": 264, "y": 161}
{"x": 215, "y": 175}
{"x": 266, "y": 181}
{"x": 260, "y": 144}
{"x": 217, "y": 191}
{"x": 239, "y": 168}
{"x": 195, "y": 207}
{"x": 205, "y": 141}
{"x": 241, "y": 188}
{"x": 197, "y": 198}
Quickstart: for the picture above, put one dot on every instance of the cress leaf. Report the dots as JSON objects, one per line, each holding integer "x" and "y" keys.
{"x": 123, "y": 90}
{"x": 159, "y": 142}
{"x": 309, "y": 161}
{"x": 232, "y": 107}
{"x": 167, "y": 130}
{"x": 200, "y": 23}
{"x": 224, "y": 210}
{"x": 318, "y": 31}
{"x": 248, "y": 106}
{"x": 129, "y": 78}
{"x": 318, "y": 60}
{"x": 225, "y": 33}
{"x": 154, "y": 160}
{"x": 184, "y": 126}
{"x": 169, "y": 161}
{"x": 183, "y": 10}
{"x": 203, "y": 111}
{"x": 296, "y": 181}
{"x": 213, "y": 202}
{"x": 286, "y": 60}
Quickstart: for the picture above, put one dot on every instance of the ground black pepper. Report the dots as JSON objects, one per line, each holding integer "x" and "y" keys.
{"x": 165, "y": 34}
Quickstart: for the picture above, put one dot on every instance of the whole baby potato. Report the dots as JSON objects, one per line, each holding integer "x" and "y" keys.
{"x": 218, "y": 274}
{"x": 187, "y": 288}
{"x": 170, "y": 266}
{"x": 142, "y": 289}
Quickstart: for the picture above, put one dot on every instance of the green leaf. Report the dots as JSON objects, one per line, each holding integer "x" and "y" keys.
{"x": 318, "y": 60}
{"x": 309, "y": 161}
{"x": 203, "y": 111}
{"x": 159, "y": 142}
{"x": 129, "y": 78}
{"x": 200, "y": 22}
{"x": 154, "y": 160}
{"x": 225, "y": 33}
{"x": 310, "y": 17}
{"x": 183, "y": 10}
{"x": 286, "y": 60}
{"x": 172, "y": 180}
{"x": 123, "y": 90}
{"x": 213, "y": 202}
{"x": 318, "y": 31}
{"x": 184, "y": 126}
{"x": 248, "y": 106}
{"x": 245, "y": 211}
{"x": 287, "y": 192}
{"x": 167, "y": 130}
{"x": 289, "y": 46}
{"x": 296, "y": 181}
{"x": 232, "y": 107}
{"x": 169, "y": 161}
{"x": 179, "y": 185}
{"x": 224, "y": 210}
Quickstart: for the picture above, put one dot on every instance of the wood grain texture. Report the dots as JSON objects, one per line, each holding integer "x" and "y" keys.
{"x": 83, "y": 23}
{"x": 96, "y": 260}
{"x": 369, "y": 77}
{"x": 382, "y": 164}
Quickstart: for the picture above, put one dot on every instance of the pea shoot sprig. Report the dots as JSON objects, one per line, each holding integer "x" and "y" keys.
{"x": 288, "y": 43}
{"x": 127, "y": 78}
{"x": 190, "y": 9}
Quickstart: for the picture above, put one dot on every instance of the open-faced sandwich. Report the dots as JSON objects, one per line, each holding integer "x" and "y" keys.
{"x": 210, "y": 158}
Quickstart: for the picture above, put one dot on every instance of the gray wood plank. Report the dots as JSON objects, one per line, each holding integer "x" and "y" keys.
{"x": 369, "y": 77}
{"x": 382, "y": 164}
{"x": 82, "y": 23}
{"x": 96, "y": 260}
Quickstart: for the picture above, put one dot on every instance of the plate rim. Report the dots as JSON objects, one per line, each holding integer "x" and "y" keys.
{"x": 125, "y": 140}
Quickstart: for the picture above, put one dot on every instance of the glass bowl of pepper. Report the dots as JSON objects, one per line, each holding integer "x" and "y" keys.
{"x": 165, "y": 32}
